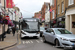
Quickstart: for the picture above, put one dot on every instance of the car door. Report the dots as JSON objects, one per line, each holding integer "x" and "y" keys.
{"x": 51, "y": 36}
{"x": 47, "y": 34}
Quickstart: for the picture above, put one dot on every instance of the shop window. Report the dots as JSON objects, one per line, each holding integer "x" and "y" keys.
{"x": 53, "y": 14}
{"x": 73, "y": 24}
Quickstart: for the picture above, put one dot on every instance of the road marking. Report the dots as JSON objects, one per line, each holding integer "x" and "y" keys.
{"x": 19, "y": 38}
{"x": 41, "y": 40}
{"x": 37, "y": 41}
{"x": 26, "y": 42}
{"x": 31, "y": 41}
{"x": 23, "y": 42}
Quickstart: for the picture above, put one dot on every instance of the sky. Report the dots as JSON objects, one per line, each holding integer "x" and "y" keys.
{"x": 29, "y": 7}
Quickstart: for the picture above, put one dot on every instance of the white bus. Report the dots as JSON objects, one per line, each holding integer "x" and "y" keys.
{"x": 30, "y": 27}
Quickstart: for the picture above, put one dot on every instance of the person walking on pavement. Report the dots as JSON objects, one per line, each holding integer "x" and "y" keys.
{"x": 4, "y": 35}
{"x": 13, "y": 30}
{"x": 0, "y": 37}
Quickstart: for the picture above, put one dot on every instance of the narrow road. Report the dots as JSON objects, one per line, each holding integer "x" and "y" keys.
{"x": 34, "y": 44}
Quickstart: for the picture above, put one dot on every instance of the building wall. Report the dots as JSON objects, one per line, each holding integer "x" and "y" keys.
{"x": 59, "y": 2}
{"x": 37, "y": 15}
{"x": 43, "y": 11}
{"x": 47, "y": 14}
{"x": 70, "y": 12}
{"x": 17, "y": 16}
{"x": 53, "y": 8}
{"x": 2, "y": 2}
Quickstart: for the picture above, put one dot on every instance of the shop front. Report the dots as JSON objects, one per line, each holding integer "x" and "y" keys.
{"x": 47, "y": 25}
{"x": 53, "y": 24}
{"x": 70, "y": 19}
{"x": 61, "y": 22}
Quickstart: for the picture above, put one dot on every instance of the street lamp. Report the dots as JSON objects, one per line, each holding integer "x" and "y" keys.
{"x": 4, "y": 14}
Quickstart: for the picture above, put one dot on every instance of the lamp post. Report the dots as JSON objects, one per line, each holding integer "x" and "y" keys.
{"x": 4, "y": 13}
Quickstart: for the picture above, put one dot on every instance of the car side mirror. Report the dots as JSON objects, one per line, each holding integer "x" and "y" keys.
{"x": 52, "y": 33}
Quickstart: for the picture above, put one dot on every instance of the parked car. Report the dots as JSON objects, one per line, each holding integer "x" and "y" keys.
{"x": 60, "y": 37}
{"x": 41, "y": 31}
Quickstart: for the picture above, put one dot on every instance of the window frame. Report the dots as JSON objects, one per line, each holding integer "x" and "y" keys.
{"x": 62, "y": 7}
{"x": 53, "y": 14}
{"x": 70, "y": 2}
{"x": 53, "y": 2}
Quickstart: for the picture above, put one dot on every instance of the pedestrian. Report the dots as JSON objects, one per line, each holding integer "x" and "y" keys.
{"x": 8, "y": 31}
{"x": 3, "y": 35}
{"x": 13, "y": 30}
{"x": 0, "y": 37}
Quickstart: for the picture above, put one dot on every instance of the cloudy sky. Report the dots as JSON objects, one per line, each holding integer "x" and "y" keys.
{"x": 29, "y": 7}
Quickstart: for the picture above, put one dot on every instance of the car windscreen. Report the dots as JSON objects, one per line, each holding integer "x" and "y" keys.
{"x": 41, "y": 28}
{"x": 62, "y": 31}
{"x": 31, "y": 26}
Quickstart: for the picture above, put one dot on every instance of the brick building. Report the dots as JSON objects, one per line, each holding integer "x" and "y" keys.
{"x": 53, "y": 13}
{"x": 43, "y": 10}
{"x": 37, "y": 15}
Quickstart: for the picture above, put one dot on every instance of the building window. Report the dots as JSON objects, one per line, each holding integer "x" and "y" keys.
{"x": 71, "y": 2}
{"x": 58, "y": 9}
{"x": 53, "y": 2}
{"x": 62, "y": 7}
{"x": 53, "y": 14}
{"x": 73, "y": 24}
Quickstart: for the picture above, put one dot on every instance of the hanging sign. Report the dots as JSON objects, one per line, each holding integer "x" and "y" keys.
{"x": 9, "y": 3}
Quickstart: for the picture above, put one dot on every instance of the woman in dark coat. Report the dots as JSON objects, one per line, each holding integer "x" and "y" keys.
{"x": 13, "y": 30}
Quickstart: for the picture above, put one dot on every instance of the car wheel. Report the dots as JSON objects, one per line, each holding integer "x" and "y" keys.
{"x": 37, "y": 37}
{"x": 44, "y": 40}
{"x": 57, "y": 43}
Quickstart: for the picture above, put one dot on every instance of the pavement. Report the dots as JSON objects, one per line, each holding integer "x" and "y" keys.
{"x": 9, "y": 41}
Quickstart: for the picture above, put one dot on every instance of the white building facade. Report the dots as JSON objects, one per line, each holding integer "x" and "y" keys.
{"x": 47, "y": 16}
